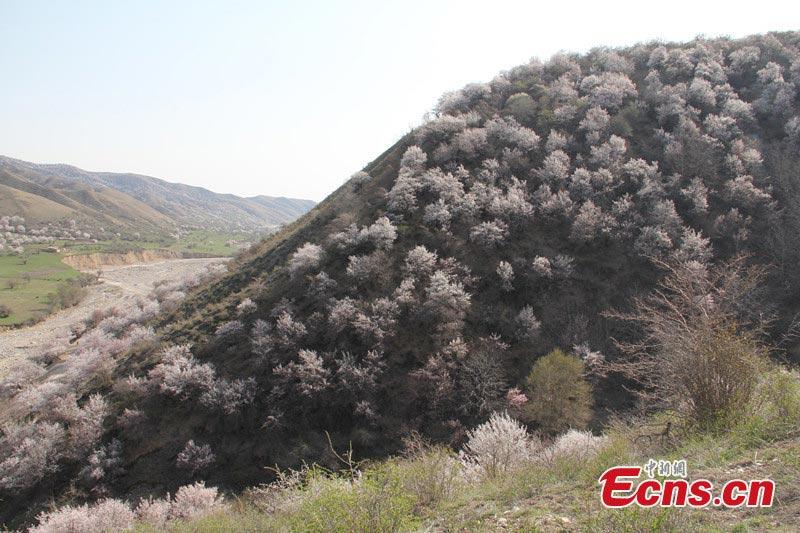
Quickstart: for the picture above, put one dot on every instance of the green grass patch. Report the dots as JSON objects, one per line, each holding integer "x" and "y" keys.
{"x": 27, "y": 282}
{"x": 210, "y": 242}
{"x": 197, "y": 241}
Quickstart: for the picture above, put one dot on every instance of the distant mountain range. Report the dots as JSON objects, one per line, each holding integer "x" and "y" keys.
{"x": 45, "y": 193}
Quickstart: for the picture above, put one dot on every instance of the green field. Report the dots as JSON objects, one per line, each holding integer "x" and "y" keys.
{"x": 25, "y": 283}
{"x": 198, "y": 241}
{"x": 209, "y": 242}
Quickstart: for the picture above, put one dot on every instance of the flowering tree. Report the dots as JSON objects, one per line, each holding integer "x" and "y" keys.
{"x": 507, "y": 131}
{"x": 195, "y": 457}
{"x": 29, "y": 451}
{"x": 489, "y": 234}
{"x": 555, "y": 168}
{"x": 506, "y": 274}
{"x": 528, "y": 326}
{"x": 446, "y": 300}
{"x": 610, "y": 154}
{"x": 84, "y": 424}
{"x": 180, "y": 375}
{"x": 306, "y": 257}
{"x": 288, "y": 330}
{"x": 498, "y": 445}
{"x": 307, "y": 376}
{"x": 594, "y": 124}
{"x": 360, "y": 178}
{"x": 403, "y": 196}
{"x": 590, "y": 223}
{"x": 420, "y": 262}
{"x": 608, "y": 90}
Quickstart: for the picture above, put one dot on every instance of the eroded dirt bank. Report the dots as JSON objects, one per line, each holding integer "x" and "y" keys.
{"x": 138, "y": 257}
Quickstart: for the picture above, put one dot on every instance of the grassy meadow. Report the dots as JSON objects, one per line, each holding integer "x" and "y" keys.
{"x": 27, "y": 282}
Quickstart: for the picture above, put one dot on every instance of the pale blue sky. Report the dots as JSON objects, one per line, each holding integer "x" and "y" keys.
{"x": 286, "y": 98}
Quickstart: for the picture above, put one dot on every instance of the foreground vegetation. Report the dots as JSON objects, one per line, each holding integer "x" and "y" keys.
{"x": 540, "y": 487}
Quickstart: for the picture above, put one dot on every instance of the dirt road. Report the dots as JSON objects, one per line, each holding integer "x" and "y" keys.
{"x": 116, "y": 283}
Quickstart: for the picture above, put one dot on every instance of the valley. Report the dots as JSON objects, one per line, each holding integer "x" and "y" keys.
{"x": 581, "y": 263}
{"x": 115, "y": 286}
{"x": 33, "y": 281}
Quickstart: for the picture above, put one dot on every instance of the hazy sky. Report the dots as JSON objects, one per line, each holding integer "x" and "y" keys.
{"x": 286, "y": 98}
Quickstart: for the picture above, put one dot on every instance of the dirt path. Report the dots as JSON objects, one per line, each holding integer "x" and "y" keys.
{"x": 116, "y": 283}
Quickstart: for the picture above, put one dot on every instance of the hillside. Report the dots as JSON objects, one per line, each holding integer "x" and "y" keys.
{"x": 418, "y": 298}
{"x": 130, "y": 199}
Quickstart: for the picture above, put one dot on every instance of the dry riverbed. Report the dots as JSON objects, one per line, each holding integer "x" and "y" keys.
{"x": 116, "y": 283}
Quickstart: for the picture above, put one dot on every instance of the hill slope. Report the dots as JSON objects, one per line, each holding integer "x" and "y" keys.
{"x": 419, "y": 294}
{"x": 540, "y": 199}
{"x": 152, "y": 201}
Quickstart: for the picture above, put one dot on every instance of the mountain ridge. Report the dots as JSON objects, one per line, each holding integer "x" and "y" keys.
{"x": 184, "y": 204}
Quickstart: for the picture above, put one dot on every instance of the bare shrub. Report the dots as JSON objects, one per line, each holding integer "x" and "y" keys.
{"x": 481, "y": 381}
{"x": 431, "y": 473}
{"x": 699, "y": 353}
